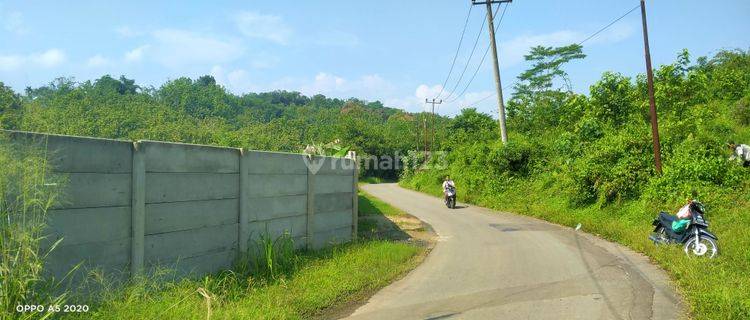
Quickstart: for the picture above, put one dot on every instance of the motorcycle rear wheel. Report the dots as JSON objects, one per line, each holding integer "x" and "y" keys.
{"x": 707, "y": 247}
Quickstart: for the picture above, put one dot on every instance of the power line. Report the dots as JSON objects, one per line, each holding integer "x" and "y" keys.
{"x": 468, "y": 60}
{"x": 488, "y": 96}
{"x": 460, "y": 41}
{"x": 610, "y": 24}
{"x": 481, "y": 62}
{"x": 584, "y": 40}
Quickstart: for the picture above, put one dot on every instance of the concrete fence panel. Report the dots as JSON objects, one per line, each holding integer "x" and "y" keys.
{"x": 128, "y": 207}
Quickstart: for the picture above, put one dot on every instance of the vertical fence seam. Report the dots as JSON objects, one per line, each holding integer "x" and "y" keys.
{"x": 244, "y": 208}
{"x": 355, "y": 197}
{"x": 310, "y": 207}
{"x": 138, "y": 209}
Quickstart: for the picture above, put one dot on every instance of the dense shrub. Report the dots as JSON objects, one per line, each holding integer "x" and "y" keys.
{"x": 742, "y": 110}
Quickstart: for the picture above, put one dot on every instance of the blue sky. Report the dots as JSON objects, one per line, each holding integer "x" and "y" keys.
{"x": 398, "y": 52}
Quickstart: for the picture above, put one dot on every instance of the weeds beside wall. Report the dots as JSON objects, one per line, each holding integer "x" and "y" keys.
{"x": 27, "y": 191}
{"x": 136, "y": 207}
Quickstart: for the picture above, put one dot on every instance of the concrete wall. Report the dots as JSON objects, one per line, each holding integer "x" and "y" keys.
{"x": 130, "y": 206}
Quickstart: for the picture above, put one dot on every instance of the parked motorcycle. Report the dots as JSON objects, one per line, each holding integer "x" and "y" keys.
{"x": 450, "y": 197}
{"x": 696, "y": 238}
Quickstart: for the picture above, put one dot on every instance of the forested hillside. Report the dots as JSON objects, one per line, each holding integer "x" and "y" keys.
{"x": 575, "y": 158}
{"x": 200, "y": 111}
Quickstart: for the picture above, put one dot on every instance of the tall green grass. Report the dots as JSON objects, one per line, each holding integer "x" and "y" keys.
{"x": 27, "y": 191}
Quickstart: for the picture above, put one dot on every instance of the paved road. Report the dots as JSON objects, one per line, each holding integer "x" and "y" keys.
{"x": 492, "y": 265}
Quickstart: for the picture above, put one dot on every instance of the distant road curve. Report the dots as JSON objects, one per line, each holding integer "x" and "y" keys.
{"x": 493, "y": 265}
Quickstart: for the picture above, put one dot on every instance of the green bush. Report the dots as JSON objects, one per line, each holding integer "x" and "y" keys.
{"x": 742, "y": 110}
{"x": 612, "y": 168}
{"x": 597, "y": 168}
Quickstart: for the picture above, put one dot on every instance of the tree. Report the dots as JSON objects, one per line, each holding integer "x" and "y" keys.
{"x": 10, "y": 104}
{"x": 547, "y": 66}
{"x": 536, "y": 104}
{"x": 471, "y": 127}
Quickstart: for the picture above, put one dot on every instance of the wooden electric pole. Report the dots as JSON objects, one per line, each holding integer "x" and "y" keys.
{"x": 432, "y": 119}
{"x": 650, "y": 85}
{"x": 500, "y": 103}
{"x": 424, "y": 132}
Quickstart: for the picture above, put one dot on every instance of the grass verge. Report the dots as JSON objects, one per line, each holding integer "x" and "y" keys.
{"x": 314, "y": 283}
{"x": 369, "y": 205}
{"x": 713, "y": 289}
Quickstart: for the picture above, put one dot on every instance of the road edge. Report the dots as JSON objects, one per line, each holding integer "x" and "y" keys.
{"x": 620, "y": 250}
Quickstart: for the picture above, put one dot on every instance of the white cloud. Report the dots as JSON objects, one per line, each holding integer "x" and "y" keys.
{"x": 375, "y": 83}
{"x": 416, "y": 101}
{"x": 427, "y": 92}
{"x": 324, "y": 83}
{"x": 13, "y": 22}
{"x": 136, "y": 54}
{"x": 616, "y": 33}
{"x": 127, "y": 32}
{"x": 370, "y": 87}
{"x": 260, "y": 26}
{"x": 177, "y": 48}
{"x": 10, "y": 62}
{"x": 47, "y": 59}
{"x": 237, "y": 81}
{"x": 512, "y": 51}
{"x": 97, "y": 61}
{"x": 263, "y": 61}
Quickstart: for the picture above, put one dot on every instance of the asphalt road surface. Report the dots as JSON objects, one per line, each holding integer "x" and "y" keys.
{"x": 492, "y": 265}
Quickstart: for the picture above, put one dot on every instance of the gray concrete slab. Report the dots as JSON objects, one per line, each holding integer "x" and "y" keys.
{"x": 77, "y": 226}
{"x": 325, "y": 221}
{"x": 332, "y": 237}
{"x": 86, "y": 190}
{"x": 267, "y": 208}
{"x": 172, "y": 187}
{"x": 493, "y": 265}
{"x": 333, "y": 183}
{"x": 329, "y": 202}
{"x": 113, "y": 254}
{"x": 180, "y": 157}
{"x": 190, "y": 243}
{"x": 262, "y": 162}
{"x": 273, "y": 185}
{"x": 184, "y": 215}
{"x": 81, "y": 154}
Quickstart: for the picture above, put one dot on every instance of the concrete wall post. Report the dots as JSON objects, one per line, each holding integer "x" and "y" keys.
{"x": 310, "y": 206}
{"x": 138, "y": 210}
{"x": 355, "y": 197}
{"x": 243, "y": 231}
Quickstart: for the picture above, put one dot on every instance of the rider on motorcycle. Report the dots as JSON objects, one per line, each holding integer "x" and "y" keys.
{"x": 667, "y": 220}
{"x": 447, "y": 183}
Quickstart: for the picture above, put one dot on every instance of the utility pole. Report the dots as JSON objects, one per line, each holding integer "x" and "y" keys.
{"x": 650, "y": 84}
{"x": 500, "y": 103}
{"x": 432, "y": 118}
{"x": 424, "y": 133}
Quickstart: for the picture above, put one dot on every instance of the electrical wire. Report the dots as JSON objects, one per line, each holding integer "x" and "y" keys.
{"x": 471, "y": 55}
{"x": 455, "y": 56}
{"x": 609, "y": 25}
{"x": 579, "y": 43}
{"x": 481, "y": 62}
